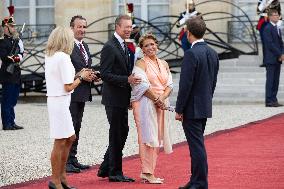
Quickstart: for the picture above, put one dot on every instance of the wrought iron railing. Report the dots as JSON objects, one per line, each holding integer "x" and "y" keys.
{"x": 240, "y": 29}
{"x": 36, "y": 34}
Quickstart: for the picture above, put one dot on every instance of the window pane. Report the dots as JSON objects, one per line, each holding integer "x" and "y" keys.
{"x": 162, "y": 23}
{"x": 21, "y": 3}
{"x": 158, "y": 1}
{"x": 45, "y": 16}
{"x": 158, "y": 10}
{"x": 137, "y": 10}
{"x": 21, "y": 16}
{"x": 44, "y": 2}
{"x": 130, "y": 1}
{"x": 249, "y": 9}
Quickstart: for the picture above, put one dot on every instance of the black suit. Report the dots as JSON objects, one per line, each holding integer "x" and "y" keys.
{"x": 115, "y": 69}
{"x": 80, "y": 95}
{"x": 273, "y": 50}
{"x": 196, "y": 87}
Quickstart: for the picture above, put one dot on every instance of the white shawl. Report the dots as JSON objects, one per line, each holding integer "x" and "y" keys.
{"x": 148, "y": 115}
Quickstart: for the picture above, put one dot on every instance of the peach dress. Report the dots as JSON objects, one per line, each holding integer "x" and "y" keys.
{"x": 158, "y": 77}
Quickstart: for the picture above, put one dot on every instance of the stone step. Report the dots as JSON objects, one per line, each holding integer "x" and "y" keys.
{"x": 236, "y": 100}
{"x": 241, "y": 81}
{"x": 233, "y": 94}
{"x": 241, "y": 69}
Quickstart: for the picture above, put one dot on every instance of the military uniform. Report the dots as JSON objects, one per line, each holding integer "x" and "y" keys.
{"x": 11, "y": 52}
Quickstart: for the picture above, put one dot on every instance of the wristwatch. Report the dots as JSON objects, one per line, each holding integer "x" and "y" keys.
{"x": 81, "y": 78}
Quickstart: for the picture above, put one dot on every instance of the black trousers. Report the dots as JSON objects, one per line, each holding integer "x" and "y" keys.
{"x": 118, "y": 132}
{"x": 76, "y": 110}
{"x": 272, "y": 82}
{"x": 194, "y": 130}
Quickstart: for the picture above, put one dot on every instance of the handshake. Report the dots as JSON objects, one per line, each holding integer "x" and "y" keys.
{"x": 89, "y": 75}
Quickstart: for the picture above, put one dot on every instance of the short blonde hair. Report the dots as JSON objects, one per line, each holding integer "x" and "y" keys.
{"x": 60, "y": 39}
{"x": 147, "y": 36}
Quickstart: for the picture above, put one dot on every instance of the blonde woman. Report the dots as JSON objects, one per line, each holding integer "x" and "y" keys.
{"x": 149, "y": 100}
{"x": 60, "y": 83}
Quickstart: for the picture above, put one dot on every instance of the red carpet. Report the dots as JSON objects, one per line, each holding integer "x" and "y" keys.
{"x": 250, "y": 156}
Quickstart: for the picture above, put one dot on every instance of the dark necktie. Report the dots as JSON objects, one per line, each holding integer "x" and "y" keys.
{"x": 84, "y": 54}
{"x": 127, "y": 56}
{"x": 125, "y": 48}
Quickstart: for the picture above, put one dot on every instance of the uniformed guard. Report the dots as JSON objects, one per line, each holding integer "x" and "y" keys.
{"x": 184, "y": 16}
{"x": 11, "y": 54}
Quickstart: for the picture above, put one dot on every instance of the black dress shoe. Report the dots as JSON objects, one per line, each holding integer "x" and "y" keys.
{"x": 185, "y": 186}
{"x": 81, "y": 166}
{"x": 273, "y": 104}
{"x": 17, "y": 126}
{"x": 128, "y": 178}
{"x": 120, "y": 178}
{"x": 262, "y": 65}
{"x": 51, "y": 185}
{"x": 9, "y": 128}
{"x": 70, "y": 168}
{"x": 102, "y": 173}
{"x": 66, "y": 186}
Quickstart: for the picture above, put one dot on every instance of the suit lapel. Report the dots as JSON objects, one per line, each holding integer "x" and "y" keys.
{"x": 117, "y": 44}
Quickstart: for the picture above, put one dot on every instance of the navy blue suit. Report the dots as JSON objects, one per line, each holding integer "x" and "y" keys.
{"x": 273, "y": 50}
{"x": 196, "y": 87}
{"x": 80, "y": 95}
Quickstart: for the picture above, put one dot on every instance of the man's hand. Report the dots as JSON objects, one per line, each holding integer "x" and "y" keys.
{"x": 89, "y": 75}
{"x": 130, "y": 106}
{"x": 14, "y": 58}
{"x": 281, "y": 58}
{"x": 179, "y": 117}
{"x": 97, "y": 76}
{"x": 10, "y": 58}
{"x": 134, "y": 80}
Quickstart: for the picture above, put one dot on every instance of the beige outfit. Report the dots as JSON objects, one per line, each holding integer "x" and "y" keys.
{"x": 152, "y": 123}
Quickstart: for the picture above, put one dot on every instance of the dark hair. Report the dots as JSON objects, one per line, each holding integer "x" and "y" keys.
{"x": 146, "y": 36}
{"x": 121, "y": 17}
{"x": 196, "y": 26}
{"x": 74, "y": 18}
{"x": 271, "y": 11}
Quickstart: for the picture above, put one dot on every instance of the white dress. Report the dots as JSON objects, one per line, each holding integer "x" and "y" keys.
{"x": 59, "y": 70}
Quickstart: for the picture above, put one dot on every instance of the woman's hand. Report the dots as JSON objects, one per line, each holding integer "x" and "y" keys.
{"x": 162, "y": 98}
{"x": 160, "y": 103}
{"x": 87, "y": 74}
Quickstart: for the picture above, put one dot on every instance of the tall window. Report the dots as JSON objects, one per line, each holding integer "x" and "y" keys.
{"x": 34, "y": 12}
{"x": 146, "y": 9}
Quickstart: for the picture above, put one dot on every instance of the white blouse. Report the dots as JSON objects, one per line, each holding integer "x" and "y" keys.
{"x": 59, "y": 70}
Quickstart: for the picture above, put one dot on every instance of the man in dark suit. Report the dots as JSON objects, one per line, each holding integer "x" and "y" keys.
{"x": 81, "y": 59}
{"x": 194, "y": 102}
{"x": 11, "y": 53}
{"x": 263, "y": 8}
{"x": 274, "y": 55}
{"x": 116, "y": 75}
